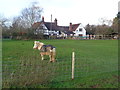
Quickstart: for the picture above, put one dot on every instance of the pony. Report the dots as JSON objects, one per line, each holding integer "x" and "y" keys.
{"x": 45, "y": 50}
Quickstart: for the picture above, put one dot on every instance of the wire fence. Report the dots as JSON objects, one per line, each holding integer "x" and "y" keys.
{"x": 30, "y": 70}
{"x": 89, "y": 36}
{"x": 96, "y": 37}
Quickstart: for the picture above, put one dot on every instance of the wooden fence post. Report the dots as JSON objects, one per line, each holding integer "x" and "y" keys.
{"x": 73, "y": 62}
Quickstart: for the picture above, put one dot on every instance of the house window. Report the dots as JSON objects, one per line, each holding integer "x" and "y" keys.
{"x": 80, "y": 35}
{"x": 80, "y": 29}
{"x": 41, "y": 27}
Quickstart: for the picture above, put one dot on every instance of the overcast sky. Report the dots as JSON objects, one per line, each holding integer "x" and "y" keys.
{"x": 66, "y": 11}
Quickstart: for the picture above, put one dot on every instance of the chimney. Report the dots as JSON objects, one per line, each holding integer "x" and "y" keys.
{"x": 70, "y": 27}
{"x": 55, "y": 21}
{"x": 42, "y": 19}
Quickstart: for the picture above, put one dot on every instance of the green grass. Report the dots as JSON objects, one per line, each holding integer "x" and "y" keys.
{"x": 96, "y": 64}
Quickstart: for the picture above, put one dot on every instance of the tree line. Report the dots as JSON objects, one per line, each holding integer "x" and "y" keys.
{"x": 107, "y": 27}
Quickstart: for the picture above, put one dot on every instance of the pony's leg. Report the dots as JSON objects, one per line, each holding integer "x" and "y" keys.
{"x": 53, "y": 56}
{"x": 42, "y": 57}
{"x": 50, "y": 58}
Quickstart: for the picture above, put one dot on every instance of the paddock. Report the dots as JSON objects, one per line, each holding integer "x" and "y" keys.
{"x": 96, "y": 64}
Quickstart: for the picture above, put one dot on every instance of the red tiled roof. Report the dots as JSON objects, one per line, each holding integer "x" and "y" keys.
{"x": 54, "y": 27}
{"x": 36, "y": 24}
{"x": 75, "y": 26}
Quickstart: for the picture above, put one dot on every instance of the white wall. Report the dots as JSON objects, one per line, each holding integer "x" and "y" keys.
{"x": 44, "y": 31}
{"x": 77, "y": 32}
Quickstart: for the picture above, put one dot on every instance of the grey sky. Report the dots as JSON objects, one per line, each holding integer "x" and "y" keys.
{"x": 66, "y": 11}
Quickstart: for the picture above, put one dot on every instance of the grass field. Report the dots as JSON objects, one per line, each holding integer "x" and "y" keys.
{"x": 96, "y": 64}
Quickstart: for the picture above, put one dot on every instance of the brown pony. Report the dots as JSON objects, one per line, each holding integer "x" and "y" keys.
{"x": 45, "y": 50}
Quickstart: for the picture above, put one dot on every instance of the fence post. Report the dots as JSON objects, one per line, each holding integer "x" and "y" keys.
{"x": 73, "y": 62}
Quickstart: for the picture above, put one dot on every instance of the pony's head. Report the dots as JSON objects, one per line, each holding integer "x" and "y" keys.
{"x": 37, "y": 45}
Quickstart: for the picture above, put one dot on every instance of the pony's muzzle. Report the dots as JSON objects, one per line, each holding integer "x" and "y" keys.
{"x": 34, "y": 47}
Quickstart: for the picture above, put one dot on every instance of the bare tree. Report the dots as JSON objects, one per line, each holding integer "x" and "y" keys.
{"x": 17, "y": 24}
{"x": 104, "y": 21}
{"x": 90, "y": 29}
{"x": 21, "y": 25}
{"x": 103, "y": 30}
{"x": 31, "y": 15}
{"x": 4, "y": 29}
{"x": 3, "y": 20}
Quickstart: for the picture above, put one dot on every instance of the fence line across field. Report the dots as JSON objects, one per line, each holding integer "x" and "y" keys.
{"x": 67, "y": 68}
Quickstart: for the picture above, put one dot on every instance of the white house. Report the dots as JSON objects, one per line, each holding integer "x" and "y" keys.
{"x": 77, "y": 29}
{"x": 80, "y": 31}
{"x": 51, "y": 28}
